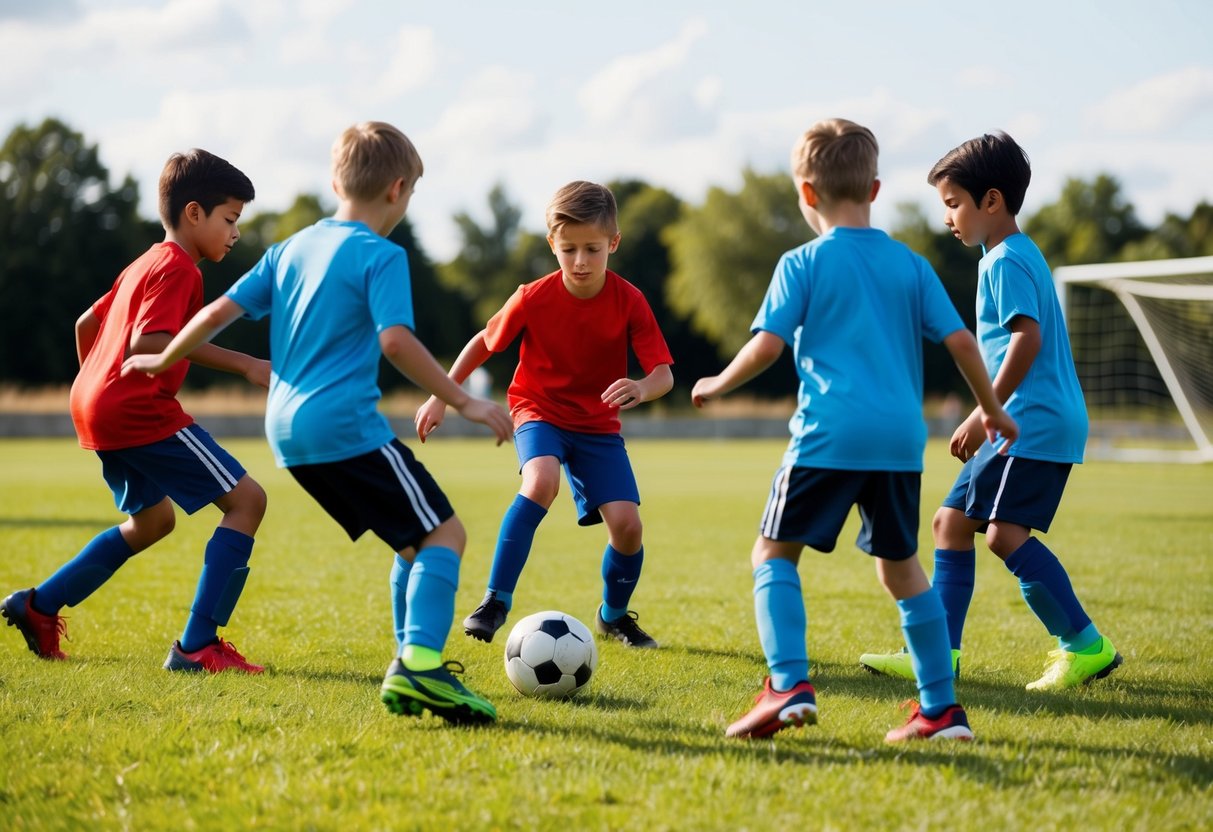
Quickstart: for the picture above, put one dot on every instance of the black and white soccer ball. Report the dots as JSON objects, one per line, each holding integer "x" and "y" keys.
{"x": 550, "y": 654}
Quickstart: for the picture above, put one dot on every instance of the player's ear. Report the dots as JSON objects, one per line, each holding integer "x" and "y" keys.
{"x": 875, "y": 190}
{"x": 395, "y": 191}
{"x": 992, "y": 200}
{"x": 614, "y": 244}
{"x": 193, "y": 213}
{"x": 808, "y": 192}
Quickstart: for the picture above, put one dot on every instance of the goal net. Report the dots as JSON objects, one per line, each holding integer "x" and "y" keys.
{"x": 1142, "y": 336}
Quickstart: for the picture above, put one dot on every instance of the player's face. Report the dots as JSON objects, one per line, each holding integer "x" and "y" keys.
{"x": 967, "y": 222}
{"x": 582, "y": 252}
{"x": 218, "y": 232}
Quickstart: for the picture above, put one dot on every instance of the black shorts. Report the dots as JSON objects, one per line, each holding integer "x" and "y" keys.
{"x": 810, "y": 506}
{"x": 387, "y": 492}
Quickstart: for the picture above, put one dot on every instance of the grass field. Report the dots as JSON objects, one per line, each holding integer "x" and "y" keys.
{"x": 108, "y": 740}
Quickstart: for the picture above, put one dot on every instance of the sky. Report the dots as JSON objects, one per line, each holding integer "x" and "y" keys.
{"x": 683, "y": 95}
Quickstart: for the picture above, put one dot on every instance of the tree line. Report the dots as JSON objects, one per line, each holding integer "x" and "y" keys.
{"x": 68, "y": 231}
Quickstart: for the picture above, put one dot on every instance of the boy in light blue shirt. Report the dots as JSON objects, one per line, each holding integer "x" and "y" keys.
{"x": 1026, "y": 349}
{"x": 854, "y": 305}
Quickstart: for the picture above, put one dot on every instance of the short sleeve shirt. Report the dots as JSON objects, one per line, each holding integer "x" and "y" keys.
{"x": 573, "y": 349}
{"x": 159, "y": 292}
{"x": 855, "y": 306}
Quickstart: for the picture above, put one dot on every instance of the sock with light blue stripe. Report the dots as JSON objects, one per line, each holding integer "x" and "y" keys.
{"x": 955, "y": 570}
{"x": 514, "y": 541}
{"x": 619, "y": 575}
{"x": 1045, "y": 585}
{"x": 925, "y": 626}
{"x": 779, "y": 610}
{"x": 431, "y": 597}
{"x": 84, "y": 574}
{"x": 219, "y": 586}
{"x": 398, "y": 583}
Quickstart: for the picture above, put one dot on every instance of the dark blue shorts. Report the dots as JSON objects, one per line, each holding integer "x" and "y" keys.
{"x": 1026, "y": 492}
{"x": 810, "y": 505}
{"x": 189, "y": 467}
{"x": 596, "y": 465}
{"x": 387, "y": 492}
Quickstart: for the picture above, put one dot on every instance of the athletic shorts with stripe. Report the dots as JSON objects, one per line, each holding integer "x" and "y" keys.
{"x": 189, "y": 467}
{"x": 1013, "y": 489}
{"x": 386, "y": 491}
{"x": 810, "y": 506}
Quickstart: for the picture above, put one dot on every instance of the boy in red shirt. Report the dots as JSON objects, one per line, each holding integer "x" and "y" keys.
{"x": 152, "y": 454}
{"x": 571, "y": 382}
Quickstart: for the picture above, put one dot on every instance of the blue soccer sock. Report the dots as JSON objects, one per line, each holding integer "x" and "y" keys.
{"x": 925, "y": 626}
{"x": 953, "y": 580}
{"x": 1046, "y": 587}
{"x": 81, "y": 576}
{"x": 619, "y": 575}
{"x": 431, "y": 600}
{"x": 224, "y": 571}
{"x": 514, "y": 541}
{"x": 779, "y": 610}
{"x": 398, "y": 583}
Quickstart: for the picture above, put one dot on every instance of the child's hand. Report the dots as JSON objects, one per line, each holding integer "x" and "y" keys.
{"x": 429, "y": 416}
{"x": 968, "y": 437}
{"x": 258, "y": 373}
{"x": 1000, "y": 424}
{"x": 704, "y": 391}
{"x": 488, "y": 413}
{"x": 624, "y": 394}
{"x": 147, "y": 363}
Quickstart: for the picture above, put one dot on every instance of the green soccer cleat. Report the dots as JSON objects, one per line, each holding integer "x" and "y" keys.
{"x": 1069, "y": 670}
{"x": 409, "y": 692}
{"x": 898, "y": 664}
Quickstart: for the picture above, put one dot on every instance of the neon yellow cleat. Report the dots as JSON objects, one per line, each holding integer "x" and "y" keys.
{"x": 898, "y": 664}
{"x": 1069, "y": 670}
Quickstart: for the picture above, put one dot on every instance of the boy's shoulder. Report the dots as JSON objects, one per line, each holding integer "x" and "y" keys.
{"x": 163, "y": 259}
{"x": 1020, "y": 250}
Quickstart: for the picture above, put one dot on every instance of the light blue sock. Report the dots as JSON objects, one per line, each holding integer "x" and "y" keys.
{"x": 84, "y": 574}
{"x": 514, "y": 541}
{"x": 431, "y": 597}
{"x": 779, "y": 610}
{"x": 224, "y": 571}
{"x": 955, "y": 570}
{"x": 619, "y": 575}
{"x": 398, "y": 583}
{"x": 1046, "y": 587}
{"x": 925, "y": 626}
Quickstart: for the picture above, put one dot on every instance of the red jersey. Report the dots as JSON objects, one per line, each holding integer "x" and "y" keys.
{"x": 159, "y": 292}
{"x": 573, "y": 349}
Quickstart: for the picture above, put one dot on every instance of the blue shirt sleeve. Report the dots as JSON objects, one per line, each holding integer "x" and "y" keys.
{"x": 1013, "y": 290}
{"x": 390, "y": 291}
{"x": 939, "y": 316}
{"x": 255, "y": 291}
{"x": 785, "y": 307}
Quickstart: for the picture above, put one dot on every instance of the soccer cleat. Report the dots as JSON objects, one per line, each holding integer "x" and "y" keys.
{"x": 775, "y": 710}
{"x": 408, "y": 692}
{"x": 625, "y": 629}
{"x": 486, "y": 619}
{"x": 952, "y": 724}
{"x": 1069, "y": 670}
{"x": 898, "y": 664}
{"x": 41, "y": 631}
{"x": 215, "y": 657}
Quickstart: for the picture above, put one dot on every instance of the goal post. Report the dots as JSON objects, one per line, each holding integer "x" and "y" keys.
{"x": 1142, "y": 337}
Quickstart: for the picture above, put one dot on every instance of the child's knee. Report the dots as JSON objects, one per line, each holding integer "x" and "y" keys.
{"x": 254, "y": 498}
{"x": 450, "y": 534}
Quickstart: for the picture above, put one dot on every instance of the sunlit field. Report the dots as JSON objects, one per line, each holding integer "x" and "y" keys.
{"x": 109, "y": 740}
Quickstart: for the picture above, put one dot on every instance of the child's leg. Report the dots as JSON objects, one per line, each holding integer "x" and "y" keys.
{"x": 1045, "y": 585}
{"x": 779, "y": 611}
{"x": 430, "y": 599}
{"x": 623, "y": 558}
{"x": 924, "y": 624}
{"x": 102, "y": 557}
{"x": 225, "y": 564}
{"x": 955, "y": 567}
{"x": 540, "y": 485}
{"x": 398, "y": 582}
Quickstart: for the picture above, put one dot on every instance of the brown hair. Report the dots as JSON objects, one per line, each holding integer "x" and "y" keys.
{"x": 198, "y": 176}
{"x": 369, "y": 156}
{"x": 839, "y": 158}
{"x": 583, "y": 203}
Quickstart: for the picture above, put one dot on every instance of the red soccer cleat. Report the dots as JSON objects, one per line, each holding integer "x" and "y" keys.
{"x": 952, "y": 724}
{"x": 41, "y": 631}
{"x": 775, "y": 710}
{"x": 215, "y": 657}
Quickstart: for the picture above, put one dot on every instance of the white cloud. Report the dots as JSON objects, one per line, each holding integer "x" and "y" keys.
{"x": 496, "y": 112}
{"x": 414, "y": 59}
{"x": 1157, "y": 104}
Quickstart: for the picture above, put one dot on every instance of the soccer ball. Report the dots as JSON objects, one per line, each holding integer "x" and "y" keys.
{"x": 550, "y": 654}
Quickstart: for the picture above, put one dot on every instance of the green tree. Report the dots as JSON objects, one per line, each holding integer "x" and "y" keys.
{"x": 67, "y": 235}
{"x": 1090, "y": 223}
{"x": 1176, "y": 237}
{"x": 486, "y": 270}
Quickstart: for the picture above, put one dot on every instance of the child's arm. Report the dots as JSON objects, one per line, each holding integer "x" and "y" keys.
{"x": 433, "y": 411}
{"x": 87, "y": 327}
{"x": 155, "y": 352}
{"x": 626, "y": 393}
{"x": 990, "y": 415}
{"x": 408, "y": 355}
{"x": 759, "y": 353}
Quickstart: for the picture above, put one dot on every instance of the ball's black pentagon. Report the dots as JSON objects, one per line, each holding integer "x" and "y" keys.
{"x": 582, "y": 675}
{"x": 513, "y": 647}
{"x": 547, "y": 673}
{"x": 554, "y": 627}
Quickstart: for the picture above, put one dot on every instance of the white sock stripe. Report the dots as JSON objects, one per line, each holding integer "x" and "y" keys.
{"x": 1001, "y": 485}
{"x": 221, "y": 474}
{"x": 426, "y": 514}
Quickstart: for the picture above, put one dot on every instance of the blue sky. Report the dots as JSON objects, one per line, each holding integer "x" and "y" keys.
{"x": 681, "y": 94}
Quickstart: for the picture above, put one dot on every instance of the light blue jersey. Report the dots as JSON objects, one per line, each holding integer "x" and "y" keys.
{"x": 329, "y": 291}
{"x": 1014, "y": 279}
{"x": 855, "y": 305}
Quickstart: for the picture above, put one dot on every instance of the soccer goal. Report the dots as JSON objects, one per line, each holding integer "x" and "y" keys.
{"x": 1142, "y": 336}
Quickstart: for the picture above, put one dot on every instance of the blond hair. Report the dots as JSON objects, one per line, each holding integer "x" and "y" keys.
{"x": 839, "y": 158}
{"x": 583, "y": 203}
{"x": 368, "y": 157}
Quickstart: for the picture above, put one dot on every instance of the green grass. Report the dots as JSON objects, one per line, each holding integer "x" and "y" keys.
{"x": 108, "y": 740}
